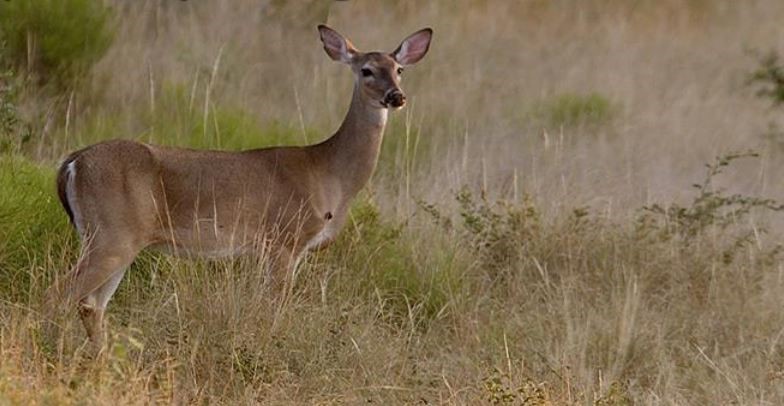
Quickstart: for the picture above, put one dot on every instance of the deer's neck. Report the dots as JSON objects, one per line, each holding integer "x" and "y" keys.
{"x": 352, "y": 153}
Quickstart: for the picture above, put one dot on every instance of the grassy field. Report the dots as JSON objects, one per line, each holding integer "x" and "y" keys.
{"x": 565, "y": 212}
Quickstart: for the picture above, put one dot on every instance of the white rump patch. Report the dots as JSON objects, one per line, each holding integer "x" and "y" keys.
{"x": 70, "y": 195}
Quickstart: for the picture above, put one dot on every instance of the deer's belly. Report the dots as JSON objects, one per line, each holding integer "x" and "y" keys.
{"x": 213, "y": 251}
{"x": 207, "y": 241}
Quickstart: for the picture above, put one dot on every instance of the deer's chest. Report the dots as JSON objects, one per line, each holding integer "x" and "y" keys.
{"x": 326, "y": 235}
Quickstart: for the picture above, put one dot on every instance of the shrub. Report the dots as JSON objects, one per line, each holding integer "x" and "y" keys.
{"x": 33, "y": 227}
{"x": 13, "y": 130}
{"x": 180, "y": 120}
{"x": 381, "y": 263}
{"x": 711, "y": 209}
{"x": 56, "y": 40}
{"x": 499, "y": 232}
{"x": 571, "y": 109}
{"x": 769, "y": 77}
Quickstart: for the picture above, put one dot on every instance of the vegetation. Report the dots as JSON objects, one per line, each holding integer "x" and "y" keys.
{"x": 487, "y": 262}
{"x": 568, "y": 110}
{"x": 769, "y": 77}
{"x": 13, "y": 131}
{"x": 33, "y": 231}
{"x": 57, "y": 41}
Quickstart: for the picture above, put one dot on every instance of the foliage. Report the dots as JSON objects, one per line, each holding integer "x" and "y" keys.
{"x": 617, "y": 395}
{"x": 386, "y": 266}
{"x": 768, "y": 77}
{"x": 385, "y": 303}
{"x": 501, "y": 389}
{"x": 33, "y": 227}
{"x": 180, "y": 119}
{"x": 711, "y": 207}
{"x": 573, "y": 110}
{"x": 13, "y": 131}
{"x": 56, "y": 40}
{"x": 498, "y": 231}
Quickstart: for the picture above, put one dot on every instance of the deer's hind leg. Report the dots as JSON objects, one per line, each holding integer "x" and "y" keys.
{"x": 98, "y": 274}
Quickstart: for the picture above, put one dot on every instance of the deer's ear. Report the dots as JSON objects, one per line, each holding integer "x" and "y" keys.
{"x": 338, "y": 48}
{"x": 414, "y": 47}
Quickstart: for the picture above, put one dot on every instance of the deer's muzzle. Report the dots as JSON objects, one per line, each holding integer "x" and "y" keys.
{"x": 395, "y": 98}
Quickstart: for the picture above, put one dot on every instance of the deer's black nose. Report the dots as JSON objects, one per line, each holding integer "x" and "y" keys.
{"x": 395, "y": 98}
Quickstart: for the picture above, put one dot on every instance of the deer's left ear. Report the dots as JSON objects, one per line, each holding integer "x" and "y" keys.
{"x": 413, "y": 48}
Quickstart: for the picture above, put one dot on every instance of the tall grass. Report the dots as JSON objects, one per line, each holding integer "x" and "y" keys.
{"x": 531, "y": 235}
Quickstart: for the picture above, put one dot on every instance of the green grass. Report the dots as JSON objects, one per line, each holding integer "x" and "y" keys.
{"x": 34, "y": 229}
{"x": 575, "y": 109}
{"x": 380, "y": 263}
{"x": 179, "y": 119}
{"x": 494, "y": 297}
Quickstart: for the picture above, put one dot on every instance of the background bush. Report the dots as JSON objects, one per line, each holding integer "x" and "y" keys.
{"x": 575, "y": 109}
{"x": 33, "y": 230}
{"x": 57, "y": 41}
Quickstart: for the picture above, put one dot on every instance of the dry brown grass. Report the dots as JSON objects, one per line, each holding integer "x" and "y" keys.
{"x": 411, "y": 305}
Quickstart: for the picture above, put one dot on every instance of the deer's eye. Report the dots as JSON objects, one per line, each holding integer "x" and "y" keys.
{"x": 366, "y": 72}
{"x": 399, "y": 71}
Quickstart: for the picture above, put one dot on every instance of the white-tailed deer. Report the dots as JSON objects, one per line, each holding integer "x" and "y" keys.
{"x": 125, "y": 196}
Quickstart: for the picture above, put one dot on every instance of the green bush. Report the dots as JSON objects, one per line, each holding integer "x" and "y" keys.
{"x": 768, "y": 78}
{"x": 711, "y": 209}
{"x": 13, "y": 131}
{"x": 34, "y": 228}
{"x": 380, "y": 262}
{"x": 571, "y": 109}
{"x": 180, "y": 120}
{"x": 56, "y": 40}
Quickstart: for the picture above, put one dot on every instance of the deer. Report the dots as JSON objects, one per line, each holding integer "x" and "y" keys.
{"x": 125, "y": 196}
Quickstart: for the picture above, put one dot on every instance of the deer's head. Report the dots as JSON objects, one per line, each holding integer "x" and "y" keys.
{"x": 378, "y": 73}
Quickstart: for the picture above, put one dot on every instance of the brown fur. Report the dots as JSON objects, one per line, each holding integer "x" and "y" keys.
{"x": 127, "y": 196}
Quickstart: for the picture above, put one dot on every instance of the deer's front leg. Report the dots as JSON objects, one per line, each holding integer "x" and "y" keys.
{"x": 280, "y": 272}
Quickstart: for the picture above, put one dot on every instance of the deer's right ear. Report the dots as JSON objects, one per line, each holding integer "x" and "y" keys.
{"x": 337, "y": 47}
